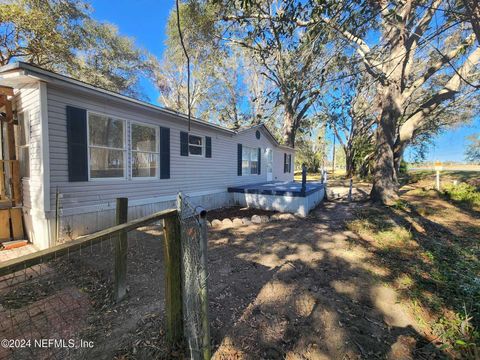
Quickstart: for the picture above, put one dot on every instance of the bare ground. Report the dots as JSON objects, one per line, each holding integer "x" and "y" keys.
{"x": 314, "y": 288}
{"x": 306, "y": 290}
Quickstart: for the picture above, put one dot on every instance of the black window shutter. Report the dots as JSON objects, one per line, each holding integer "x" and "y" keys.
{"x": 208, "y": 146}
{"x": 285, "y": 162}
{"x": 183, "y": 143}
{"x": 290, "y": 163}
{"x": 164, "y": 153}
{"x": 239, "y": 159}
{"x": 259, "y": 161}
{"x": 77, "y": 144}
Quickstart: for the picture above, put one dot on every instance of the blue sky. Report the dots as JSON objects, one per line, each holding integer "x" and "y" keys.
{"x": 145, "y": 21}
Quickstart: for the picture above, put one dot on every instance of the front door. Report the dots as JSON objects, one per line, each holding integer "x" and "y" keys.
{"x": 269, "y": 157}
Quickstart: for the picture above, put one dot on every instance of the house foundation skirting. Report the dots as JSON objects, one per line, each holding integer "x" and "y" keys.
{"x": 42, "y": 230}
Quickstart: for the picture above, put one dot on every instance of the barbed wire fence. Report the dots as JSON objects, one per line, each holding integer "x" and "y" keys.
{"x": 195, "y": 276}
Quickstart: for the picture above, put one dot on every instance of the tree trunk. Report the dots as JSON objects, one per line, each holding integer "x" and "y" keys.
{"x": 289, "y": 128}
{"x": 384, "y": 188}
{"x": 349, "y": 162}
{"x": 398, "y": 156}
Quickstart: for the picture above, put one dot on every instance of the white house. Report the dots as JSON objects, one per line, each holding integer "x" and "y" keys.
{"x": 93, "y": 145}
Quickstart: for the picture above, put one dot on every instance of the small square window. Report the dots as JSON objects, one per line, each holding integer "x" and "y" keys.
{"x": 195, "y": 145}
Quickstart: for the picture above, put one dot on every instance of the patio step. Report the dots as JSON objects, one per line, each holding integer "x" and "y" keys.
{"x": 9, "y": 245}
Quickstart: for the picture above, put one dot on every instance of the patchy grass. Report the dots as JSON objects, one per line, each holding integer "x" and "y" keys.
{"x": 426, "y": 178}
{"x": 339, "y": 174}
{"x": 463, "y": 193}
{"x": 434, "y": 268}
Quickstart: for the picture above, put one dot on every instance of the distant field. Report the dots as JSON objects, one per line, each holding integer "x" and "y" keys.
{"x": 446, "y": 167}
{"x": 470, "y": 176}
{"x": 339, "y": 173}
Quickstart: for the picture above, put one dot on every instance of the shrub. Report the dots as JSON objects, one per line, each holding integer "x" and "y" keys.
{"x": 463, "y": 193}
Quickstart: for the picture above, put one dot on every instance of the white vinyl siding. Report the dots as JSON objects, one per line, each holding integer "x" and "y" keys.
{"x": 278, "y": 164}
{"x": 190, "y": 174}
{"x": 27, "y": 102}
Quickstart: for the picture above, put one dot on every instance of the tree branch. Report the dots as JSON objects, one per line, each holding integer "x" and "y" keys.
{"x": 437, "y": 66}
{"x": 448, "y": 92}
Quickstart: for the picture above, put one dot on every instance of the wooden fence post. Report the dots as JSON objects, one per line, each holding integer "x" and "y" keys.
{"x": 173, "y": 280}
{"x": 206, "y": 351}
{"x": 350, "y": 190}
{"x": 121, "y": 246}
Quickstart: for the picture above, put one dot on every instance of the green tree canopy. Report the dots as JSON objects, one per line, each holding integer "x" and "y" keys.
{"x": 61, "y": 36}
{"x": 472, "y": 154}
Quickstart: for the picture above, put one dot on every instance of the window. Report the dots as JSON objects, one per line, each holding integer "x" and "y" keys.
{"x": 145, "y": 155}
{"x": 195, "y": 145}
{"x": 249, "y": 161}
{"x": 23, "y": 143}
{"x": 106, "y": 140}
{"x": 269, "y": 153}
{"x": 287, "y": 166}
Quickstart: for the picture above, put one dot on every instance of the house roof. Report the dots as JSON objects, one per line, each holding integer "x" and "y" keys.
{"x": 50, "y": 76}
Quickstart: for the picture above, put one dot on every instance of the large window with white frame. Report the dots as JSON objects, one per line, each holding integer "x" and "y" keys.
{"x": 249, "y": 160}
{"x": 195, "y": 145}
{"x": 106, "y": 145}
{"x": 145, "y": 150}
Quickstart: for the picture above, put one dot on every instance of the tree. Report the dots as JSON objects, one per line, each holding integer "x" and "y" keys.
{"x": 293, "y": 60}
{"x": 471, "y": 9}
{"x": 59, "y": 35}
{"x": 415, "y": 78}
{"x": 351, "y": 117}
{"x": 216, "y": 77}
{"x": 472, "y": 153}
{"x": 311, "y": 150}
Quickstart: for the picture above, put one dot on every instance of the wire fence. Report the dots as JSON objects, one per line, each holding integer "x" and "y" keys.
{"x": 194, "y": 283}
{"x": 61, "y": 303}
{"x": 64, "y": 302}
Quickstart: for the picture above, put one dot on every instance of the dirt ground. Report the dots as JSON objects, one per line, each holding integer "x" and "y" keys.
{"x": 237, "y": 212}
{"x": 306, "y": 290}
{"x": 313, "y": 288}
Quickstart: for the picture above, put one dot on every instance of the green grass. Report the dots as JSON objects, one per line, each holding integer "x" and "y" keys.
{"x": 463, "y": 193}
{"x": 434, "y": 271}
{"x": 339, "y": 174}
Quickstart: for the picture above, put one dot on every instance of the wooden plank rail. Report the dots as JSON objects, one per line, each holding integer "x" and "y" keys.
{"x": 42, "y": 256}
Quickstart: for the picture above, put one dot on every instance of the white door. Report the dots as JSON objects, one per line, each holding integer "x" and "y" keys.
{"x": 269, "y": 156}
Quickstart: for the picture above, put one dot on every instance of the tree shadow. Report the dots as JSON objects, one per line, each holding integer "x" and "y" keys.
{"x": 437, "y": 268}
{"x": 314, "y": 292}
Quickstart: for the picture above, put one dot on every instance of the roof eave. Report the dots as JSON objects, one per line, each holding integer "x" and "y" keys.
{"x": 48, "y": 76}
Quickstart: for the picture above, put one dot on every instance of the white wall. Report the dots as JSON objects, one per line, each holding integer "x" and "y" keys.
{"x": 28, "y": 101}
{"x": 204, "y": 178}
{"x": 188, "y": 174}
{"x": 278, "y": 158}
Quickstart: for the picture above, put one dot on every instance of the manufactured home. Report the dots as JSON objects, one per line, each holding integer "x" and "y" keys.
{"x": 78, "y": 147}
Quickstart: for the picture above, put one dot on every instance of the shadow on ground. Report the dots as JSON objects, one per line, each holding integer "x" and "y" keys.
{"x": 306, "y": 289}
